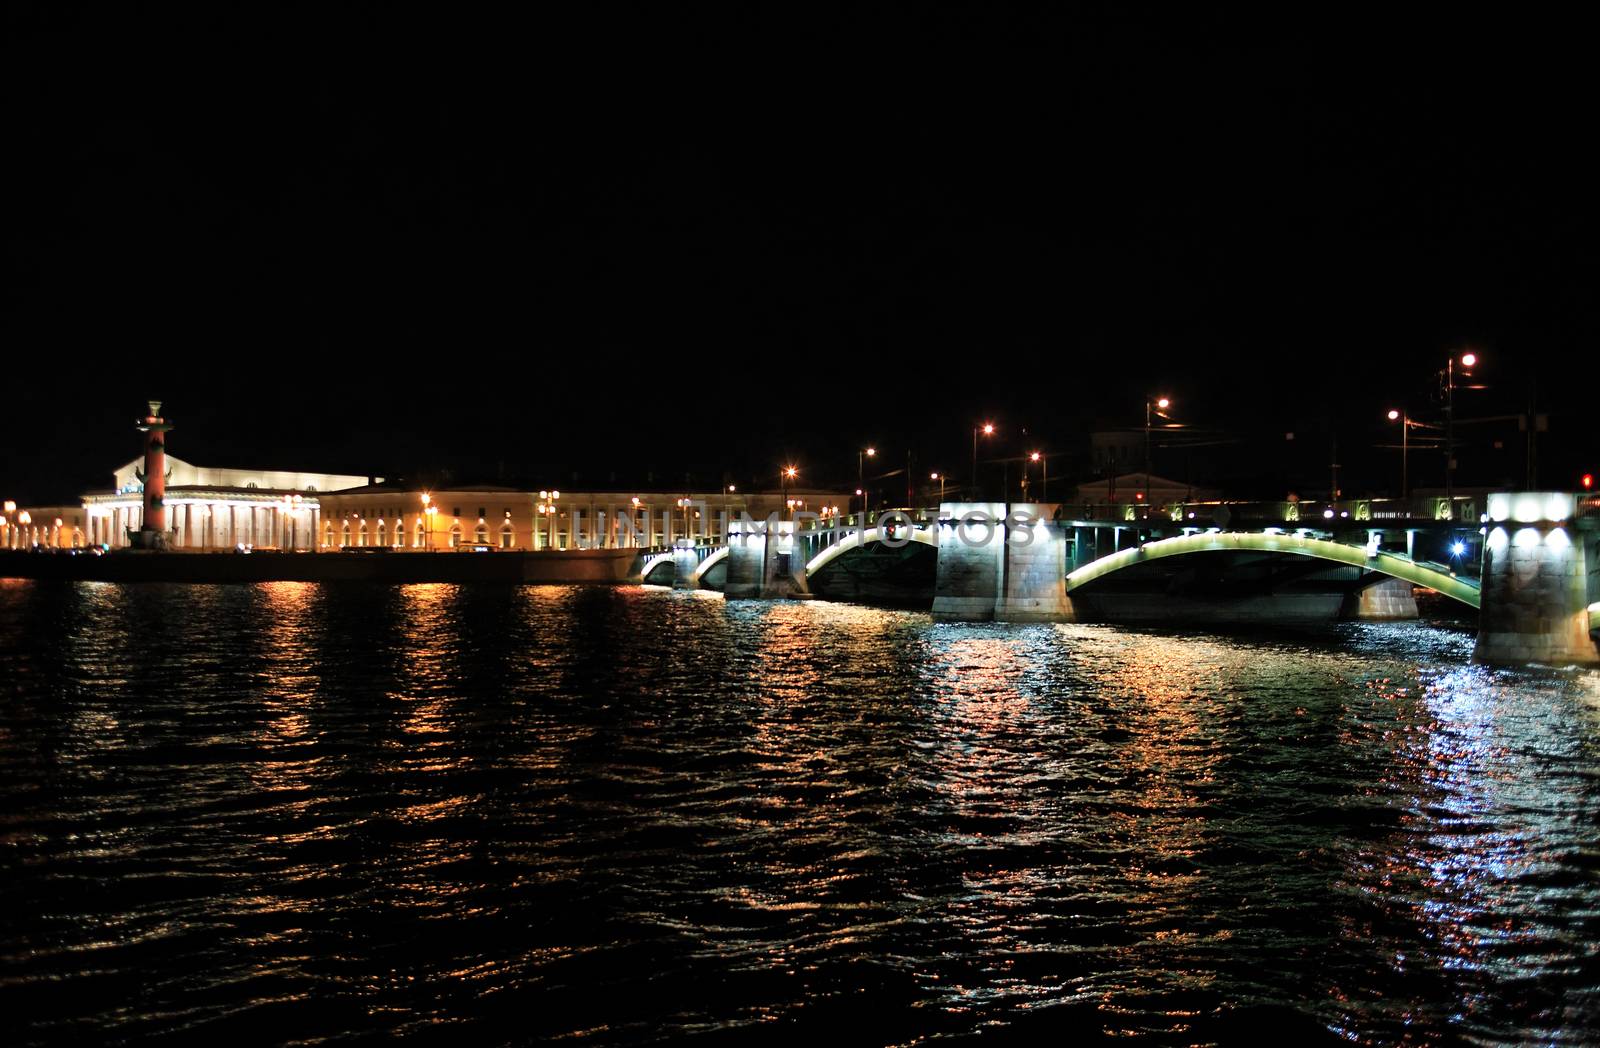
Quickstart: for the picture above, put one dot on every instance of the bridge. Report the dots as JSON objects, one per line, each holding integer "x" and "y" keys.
{"x": 1527, "y": 563}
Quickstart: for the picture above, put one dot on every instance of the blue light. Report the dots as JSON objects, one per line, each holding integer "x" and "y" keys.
{"x": 1457, "y": 548}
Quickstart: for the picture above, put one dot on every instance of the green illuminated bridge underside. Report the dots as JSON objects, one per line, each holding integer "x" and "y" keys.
{"x": 1400, "y": 567}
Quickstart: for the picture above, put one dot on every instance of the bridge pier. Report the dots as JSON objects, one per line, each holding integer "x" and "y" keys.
{"x": 990, "y": 572}
{"x": 685, "y": 559}
{"x": 1385, "y": 601}
{"x": 764, "y": 561}
{"x": 1541, "y": 573}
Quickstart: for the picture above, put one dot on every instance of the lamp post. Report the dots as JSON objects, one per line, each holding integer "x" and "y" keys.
{"x": 1468, "y": 360}
{"x": 788, "y": 474}
{"x": 1044, "y": 464}
{"x": 1400, "y": 416}
{"x": 547, "y": 508}
{"x": 684, "y": 504}
{"x": 940, "y": 478}
{"x": 988, "y": 430}
{"x": 1151, "y": 408}
{"x": 861, "y": 456}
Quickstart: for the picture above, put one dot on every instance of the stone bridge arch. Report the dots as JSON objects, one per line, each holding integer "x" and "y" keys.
{"x": 1390, "y": 564}
{"x": 858, "y": 539}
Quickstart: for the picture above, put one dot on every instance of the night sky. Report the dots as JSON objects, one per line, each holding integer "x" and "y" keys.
{"x": 716, "y": 245}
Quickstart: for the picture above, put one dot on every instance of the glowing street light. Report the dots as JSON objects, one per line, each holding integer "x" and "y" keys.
{"x": 787, "y": 474}
{"x": 684, "y": 504}
{"x": 547, "y": 508}
{"x": 861, "y": 456}
{"x": 988, "y": 430}
{"x": 428, "y": 511}
{"x": 1157, "y": 407}
{"x": 1468, "y": 360}
{"x": 1396, "y": 415}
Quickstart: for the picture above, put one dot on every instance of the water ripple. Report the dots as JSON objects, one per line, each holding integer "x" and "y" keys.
{"x": 622, "y": 815}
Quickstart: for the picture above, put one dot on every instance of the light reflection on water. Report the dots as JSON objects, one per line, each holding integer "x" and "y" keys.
{"x": 621, "y": 814}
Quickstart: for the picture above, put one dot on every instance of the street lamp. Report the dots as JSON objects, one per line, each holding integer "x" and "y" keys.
{"x": 1468, "y": 360}
{"x": 788, "y": 474}
{"x": 861, "y": 456}
{"x": 1044, "y": 462}
{"x": 547, "y": 508}
{"x": 988, "y": 430}
{"x": 1157, "y": 408}
{"x": 940, "y": 478}
{"x": 1400, "y": 416}
{"x": 684, "y": 504}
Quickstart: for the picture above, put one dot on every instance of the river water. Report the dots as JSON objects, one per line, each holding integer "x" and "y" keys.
{"x": 302, "y": 812}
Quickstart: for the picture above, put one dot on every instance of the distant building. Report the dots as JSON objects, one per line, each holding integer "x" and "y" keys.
{"x": 58, "y": 527}
{"x": 218, "y": 508}
{"x": 1149, "y": 489}
{"x": 210, "y": 508}
{"x": 397, "y": 516}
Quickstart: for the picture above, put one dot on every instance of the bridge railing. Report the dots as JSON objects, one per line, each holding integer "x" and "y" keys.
{"x": 1423, "y": 509}
{"x": 920, "y": 516}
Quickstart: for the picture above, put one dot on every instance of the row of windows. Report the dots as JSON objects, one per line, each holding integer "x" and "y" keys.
{"x": 381, "y": 536}
{"x": 394, "y": 511}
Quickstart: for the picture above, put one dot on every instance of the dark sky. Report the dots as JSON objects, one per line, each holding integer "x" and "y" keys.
{"x": 716, "y": 244}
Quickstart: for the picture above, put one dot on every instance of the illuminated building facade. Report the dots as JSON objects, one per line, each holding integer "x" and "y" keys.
{"x": 162, "y": 502}
{"x": 499, "y": 517}
{"x": 52, "y": 527}
{"x": 209, "y": 508}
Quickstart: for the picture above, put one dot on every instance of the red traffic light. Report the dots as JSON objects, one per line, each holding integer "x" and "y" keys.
{"x": 1588, "y": 481}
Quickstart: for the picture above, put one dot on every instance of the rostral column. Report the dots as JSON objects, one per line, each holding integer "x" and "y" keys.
{"x": 153, "y": 533}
